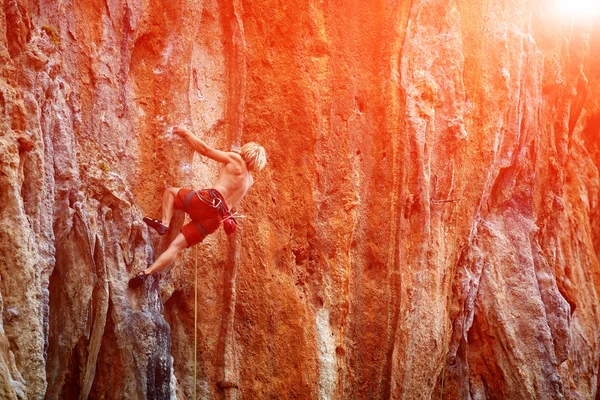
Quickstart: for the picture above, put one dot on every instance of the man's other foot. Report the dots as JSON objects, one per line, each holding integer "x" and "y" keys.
{"x": 138, "y": 280}
{"x": 157, "y": 225}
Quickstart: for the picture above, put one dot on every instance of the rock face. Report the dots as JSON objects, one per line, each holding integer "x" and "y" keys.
{"x": 428, "y": 225}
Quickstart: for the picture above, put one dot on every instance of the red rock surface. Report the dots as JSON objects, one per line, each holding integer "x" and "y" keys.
{"x": 428, "y": 224}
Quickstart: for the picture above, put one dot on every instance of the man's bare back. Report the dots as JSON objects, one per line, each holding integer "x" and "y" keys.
{"x": 234, "y": 181}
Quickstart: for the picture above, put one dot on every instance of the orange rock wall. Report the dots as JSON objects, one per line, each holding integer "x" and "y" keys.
{"x": 428, "y": 224}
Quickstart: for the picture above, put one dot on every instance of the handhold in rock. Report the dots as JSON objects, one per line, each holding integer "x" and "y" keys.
{"x": 227, "y": 384}
{"x": 25, "y": 143}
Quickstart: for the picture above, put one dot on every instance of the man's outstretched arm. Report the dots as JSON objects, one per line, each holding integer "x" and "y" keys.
{"x": 198, "y": 145}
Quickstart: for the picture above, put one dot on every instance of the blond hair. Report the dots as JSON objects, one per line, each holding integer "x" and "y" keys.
{"x": 254, "y": 155}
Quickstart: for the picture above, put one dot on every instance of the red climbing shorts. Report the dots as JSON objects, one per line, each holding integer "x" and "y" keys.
{"x": 205, "y": 218}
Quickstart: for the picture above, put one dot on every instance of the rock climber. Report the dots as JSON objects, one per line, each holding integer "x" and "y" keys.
{"x": 207, "y": 208}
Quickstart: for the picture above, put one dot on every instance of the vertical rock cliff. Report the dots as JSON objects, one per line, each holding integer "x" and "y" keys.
{"x": 428, "y": 225}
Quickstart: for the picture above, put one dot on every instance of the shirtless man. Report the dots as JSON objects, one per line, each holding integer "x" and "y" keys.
{"x": 207, "y": 208}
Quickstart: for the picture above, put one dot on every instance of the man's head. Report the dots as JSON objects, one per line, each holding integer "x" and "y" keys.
{"x": 254, "y": 155}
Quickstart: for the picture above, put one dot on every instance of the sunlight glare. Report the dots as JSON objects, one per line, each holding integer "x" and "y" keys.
{"x": 584, "y": 9}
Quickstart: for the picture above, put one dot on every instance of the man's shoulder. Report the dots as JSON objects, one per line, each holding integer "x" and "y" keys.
{"x": 236, "y": 164}
{"x": 235, "y": 160}
{"x": 235, "y": 156}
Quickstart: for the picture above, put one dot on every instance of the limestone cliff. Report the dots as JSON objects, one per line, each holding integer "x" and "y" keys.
{"x": 428, "y": 225}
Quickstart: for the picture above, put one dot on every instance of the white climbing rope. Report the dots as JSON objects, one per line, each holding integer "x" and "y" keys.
{"x": 195, "y": 315}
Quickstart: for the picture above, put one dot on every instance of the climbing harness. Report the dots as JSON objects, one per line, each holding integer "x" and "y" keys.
{"x": 227, "y": 218}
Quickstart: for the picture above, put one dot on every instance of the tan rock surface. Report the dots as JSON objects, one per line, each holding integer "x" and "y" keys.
{"x": 428, "y": 224}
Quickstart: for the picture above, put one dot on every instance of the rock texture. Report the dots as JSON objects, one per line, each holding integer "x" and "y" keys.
{"x": 428, "y": 225}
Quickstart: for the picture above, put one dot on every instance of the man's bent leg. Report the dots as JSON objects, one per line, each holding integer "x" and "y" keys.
{"x": 169, "y": 255}
{"x": 168, "y": 207}
{"x": 168, "y": 204}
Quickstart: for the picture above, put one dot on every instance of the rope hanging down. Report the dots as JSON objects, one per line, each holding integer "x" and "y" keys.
{"x": 195, "y": 316}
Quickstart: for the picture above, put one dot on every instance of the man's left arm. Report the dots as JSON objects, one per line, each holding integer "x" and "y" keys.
{"x": 201, "y": 147}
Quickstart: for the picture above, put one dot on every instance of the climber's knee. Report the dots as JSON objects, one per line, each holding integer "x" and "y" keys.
{"x": 172, "y": 191}
{"x": 179, "y": 243}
